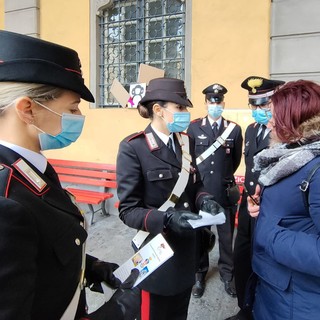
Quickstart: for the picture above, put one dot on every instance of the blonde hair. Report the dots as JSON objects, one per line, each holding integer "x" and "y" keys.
{"x": 10, "y": 91}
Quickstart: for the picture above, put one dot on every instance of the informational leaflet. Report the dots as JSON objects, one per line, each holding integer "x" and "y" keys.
{"x": 208, "y": 219}
{"x": 146, "y": 260}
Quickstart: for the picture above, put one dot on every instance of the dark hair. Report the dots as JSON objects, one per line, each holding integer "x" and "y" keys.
{"x": 146, "y": 110}
{"x": 294, "y": 103}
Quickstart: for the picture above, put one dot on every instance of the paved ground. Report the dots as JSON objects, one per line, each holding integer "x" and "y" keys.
{"x": 109, "y": 239}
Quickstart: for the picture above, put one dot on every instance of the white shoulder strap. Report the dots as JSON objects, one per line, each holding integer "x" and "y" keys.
{"x": 177, "y": 189}
{"x": 219, "y": 141}
{"x": 71, "y": 310}
{"x": 184, "y": 174}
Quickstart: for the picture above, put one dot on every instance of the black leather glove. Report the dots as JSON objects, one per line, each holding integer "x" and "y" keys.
{"x": 210, "y": 205}
{"x": 103, "y": 272}
{"x": 176, "y": 220}
{"x": 124, "y": 304}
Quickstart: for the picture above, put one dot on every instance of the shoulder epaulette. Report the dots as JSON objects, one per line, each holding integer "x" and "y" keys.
{"x": 251, "y": 126}
{"x": 232, "y": 122}
{"x": 134, "y": 135}
{"x": 196, "y": 120}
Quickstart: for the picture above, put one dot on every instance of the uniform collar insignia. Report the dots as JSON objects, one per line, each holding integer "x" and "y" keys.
{"x": 152, "y": 143}
{"x": 29, "y": 174}
{"x": 202, "y": 137}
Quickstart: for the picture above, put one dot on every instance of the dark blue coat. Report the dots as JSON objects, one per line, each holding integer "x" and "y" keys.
{"x": 286, "y": 254}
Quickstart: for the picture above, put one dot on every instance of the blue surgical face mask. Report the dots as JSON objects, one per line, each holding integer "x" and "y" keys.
{"x": 261, "y": 116}
{"x": 71, "y": 128}
{"x": 215, "y": 110}
{"x": 181, "y": 121}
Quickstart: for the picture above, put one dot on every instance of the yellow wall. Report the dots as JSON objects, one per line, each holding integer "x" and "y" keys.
{"x": 104, "y": 128}
{"x": 229, "y": 41}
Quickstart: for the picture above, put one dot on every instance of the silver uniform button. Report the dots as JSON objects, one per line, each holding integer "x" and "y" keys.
{"x": 186, "y": 205}
{"x": 211, "y": 172}
{"x": 160, "y": 175}
{"x": 77, "y": 241}
{"x": 212, "y": 162}
{"x": 251, "y": 183}
{"x": 252, "y": 170}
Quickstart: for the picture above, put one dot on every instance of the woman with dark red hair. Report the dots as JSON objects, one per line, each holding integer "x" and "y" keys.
{"x": 286, "y": 255}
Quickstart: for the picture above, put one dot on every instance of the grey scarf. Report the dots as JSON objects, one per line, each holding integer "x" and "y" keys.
{"x": 279, "y": 162}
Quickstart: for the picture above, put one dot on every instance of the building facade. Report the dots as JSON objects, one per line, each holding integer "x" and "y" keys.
{"x": 200, "y": 41}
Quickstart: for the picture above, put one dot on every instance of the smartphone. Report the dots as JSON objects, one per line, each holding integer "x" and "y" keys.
{"x": 255, "y": 201}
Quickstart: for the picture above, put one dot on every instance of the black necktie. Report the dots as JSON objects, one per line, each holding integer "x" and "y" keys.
{"x": 215, "y": 129}
{"x": 261, "y": 134}
{"x": 169, "y": 145}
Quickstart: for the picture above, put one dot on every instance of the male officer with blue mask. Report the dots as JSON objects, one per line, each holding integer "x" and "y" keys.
{"x": 218, "y": 148}
{"x": 260, "y": 91}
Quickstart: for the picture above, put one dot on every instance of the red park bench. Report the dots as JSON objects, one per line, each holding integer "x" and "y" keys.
{"x": 89, "y": 182}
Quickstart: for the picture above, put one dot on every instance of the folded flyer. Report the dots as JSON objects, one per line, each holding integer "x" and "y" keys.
{"x": 146, "y": 260}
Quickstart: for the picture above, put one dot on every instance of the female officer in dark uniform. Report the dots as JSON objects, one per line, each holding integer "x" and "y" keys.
{"x": 148, "y": 169}
{"x": 43, "y": 265}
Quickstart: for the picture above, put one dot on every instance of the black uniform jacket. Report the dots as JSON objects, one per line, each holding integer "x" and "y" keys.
{"x": 146, "y": 173}
{"x": 251, "y": 148}
{"x": 41, "y": 240}
{"x": 217, "y": 171}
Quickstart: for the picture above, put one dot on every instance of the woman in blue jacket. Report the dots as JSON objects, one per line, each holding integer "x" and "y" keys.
{"x": 286, "y": 254}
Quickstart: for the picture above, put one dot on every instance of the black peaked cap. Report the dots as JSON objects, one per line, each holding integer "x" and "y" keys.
{"x": 32, "y": 60}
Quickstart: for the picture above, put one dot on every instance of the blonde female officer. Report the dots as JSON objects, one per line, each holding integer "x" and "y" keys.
{"x": 42, "y": 235}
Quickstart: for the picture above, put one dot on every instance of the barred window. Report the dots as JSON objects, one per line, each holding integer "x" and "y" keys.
{"x": 140, "y": 31}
